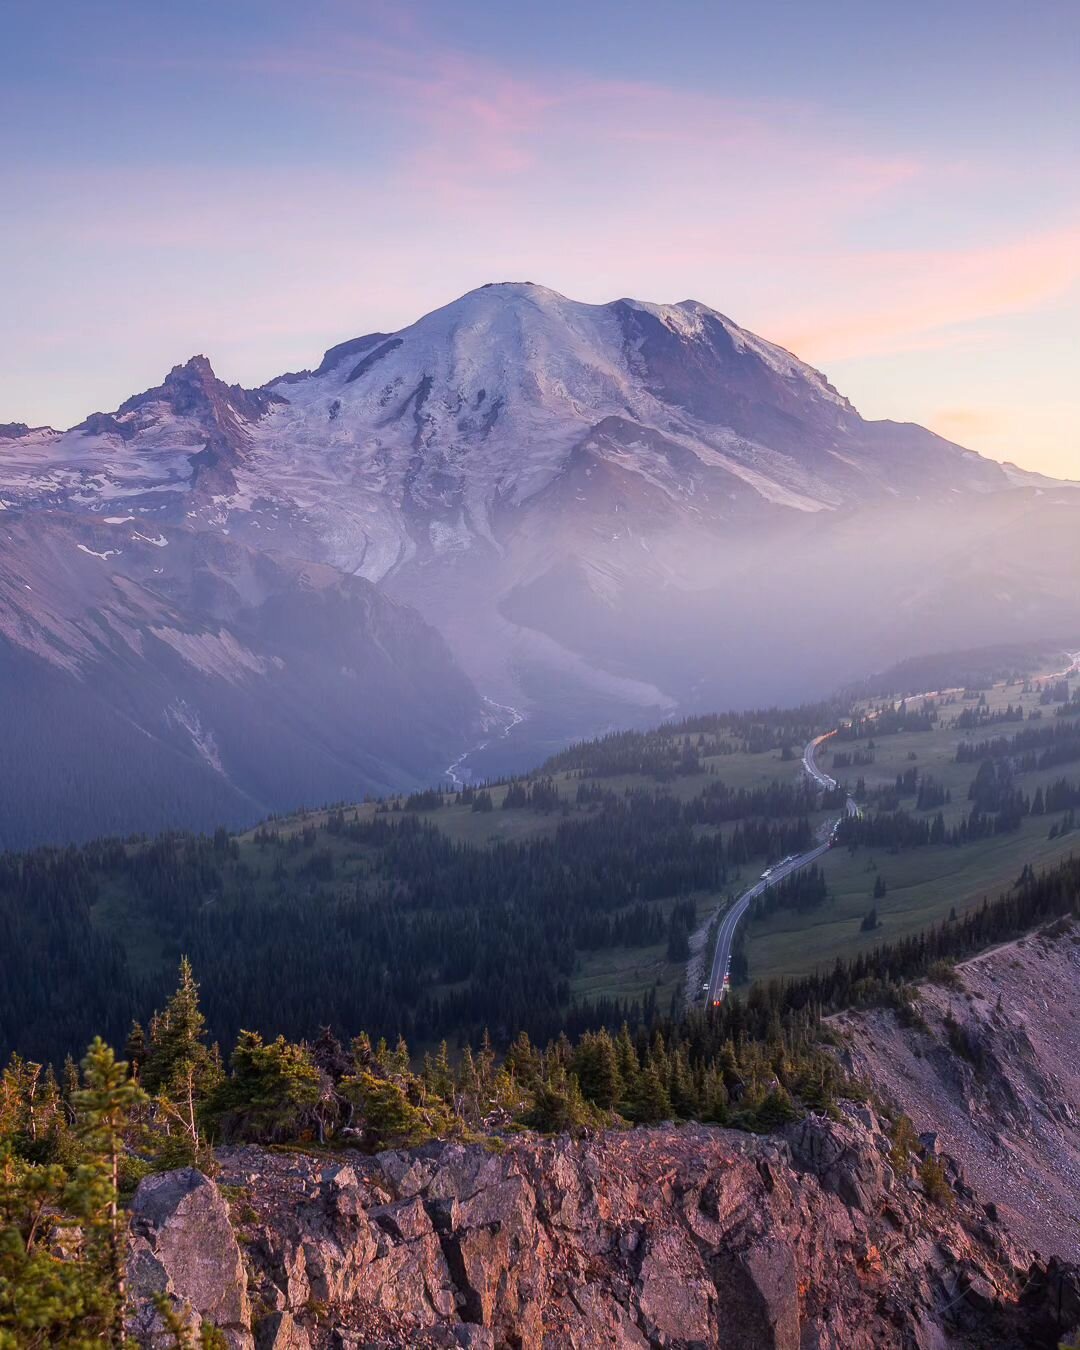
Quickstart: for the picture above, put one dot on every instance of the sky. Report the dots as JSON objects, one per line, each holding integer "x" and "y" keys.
{"x": 890, "y": 191}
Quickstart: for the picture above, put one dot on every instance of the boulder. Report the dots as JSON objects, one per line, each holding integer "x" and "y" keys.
{"x": 183, "y": 1247}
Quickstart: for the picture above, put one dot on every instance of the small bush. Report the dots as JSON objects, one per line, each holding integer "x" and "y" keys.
{"x": 904, "y": 1142}
{"x": 935, "y": 1184}
{"x": 944, "y": 973}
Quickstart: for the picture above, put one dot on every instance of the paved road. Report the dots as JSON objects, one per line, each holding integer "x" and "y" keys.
{"x": 726, "y": 938}
{"x": 820, "y": 778}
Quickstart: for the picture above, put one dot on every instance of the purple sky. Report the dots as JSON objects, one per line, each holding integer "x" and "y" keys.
{"x": 891, "y": 191}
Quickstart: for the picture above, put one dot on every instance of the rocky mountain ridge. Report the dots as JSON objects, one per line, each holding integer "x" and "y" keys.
{"x": 656, "y": 1239}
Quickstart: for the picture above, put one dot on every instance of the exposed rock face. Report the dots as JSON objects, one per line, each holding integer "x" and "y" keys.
{"x": 993, "y": 1077}
{"x": 183, "y": 1246}
{"x": 662, "y": 1239}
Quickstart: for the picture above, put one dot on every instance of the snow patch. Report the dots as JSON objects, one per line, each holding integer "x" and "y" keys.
{"x": 181, "y": 714}
{"x": 216, "y": 654}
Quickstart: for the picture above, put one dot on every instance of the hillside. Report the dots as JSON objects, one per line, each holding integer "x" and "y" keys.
{"x": 564, "y": 899}
{"x": 556, "y": 901}
{"x": 323, "y": 1193}
{"x": 159, "y": 677}
{"x": 987, "y": 1065}
{"x": 901, "y": 862}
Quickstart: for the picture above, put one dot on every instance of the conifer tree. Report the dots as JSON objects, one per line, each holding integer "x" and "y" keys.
{"x": 104, "y": 1107}
{"x": 180, "y": 1069}
{"x": 595, "y": 1063}
{"x": 627, "y": 1059}
{"x": 651, "y": 1103}
{"x": 271, "y": 1093}
{"x": 177, "y": 1043}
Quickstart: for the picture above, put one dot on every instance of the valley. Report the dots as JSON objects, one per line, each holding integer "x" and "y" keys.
{"x": 568, "y": 896}
{"x": 926, "y": 884}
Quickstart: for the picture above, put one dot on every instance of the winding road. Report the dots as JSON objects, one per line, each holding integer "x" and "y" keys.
{"x": 725, "y": 940}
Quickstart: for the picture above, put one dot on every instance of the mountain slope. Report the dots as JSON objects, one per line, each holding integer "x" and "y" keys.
{"x": 180, "y": 677}
{"x": 427, "y": 440}
{"x": 470, "y": 415}
{"x": 984, "y": 1069}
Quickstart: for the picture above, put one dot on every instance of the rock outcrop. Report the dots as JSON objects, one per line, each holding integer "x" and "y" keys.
{"x": 652, "y": 1239}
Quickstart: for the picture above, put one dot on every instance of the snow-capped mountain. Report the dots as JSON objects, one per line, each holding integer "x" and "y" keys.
{"x": 607, "y": 510}
{"x": 430, "y": 439}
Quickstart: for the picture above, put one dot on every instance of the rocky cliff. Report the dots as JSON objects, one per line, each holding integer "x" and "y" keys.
{"x": 668, "y": 1237}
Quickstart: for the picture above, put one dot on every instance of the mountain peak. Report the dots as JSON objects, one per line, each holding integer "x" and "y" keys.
{"x": 194, "y": 390}
{"x": 198, "y": 366}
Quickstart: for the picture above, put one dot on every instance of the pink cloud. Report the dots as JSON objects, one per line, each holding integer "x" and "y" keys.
{"x": 912, "y": 295}
{"x": 457, "y": 170}
{"x": 961, "y": 424}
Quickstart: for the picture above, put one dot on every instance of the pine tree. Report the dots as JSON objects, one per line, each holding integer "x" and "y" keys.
{"x": 651, "y": 1102}
{"x": 558, "y": 1106}
{"x": 177, "y": 1037}
{"x": 468, "y": 1088}
{"x": 681, "y": 1090}
{"x": 104, "y": 1107}
{"x": 442, "y": 1082}
{"x": 135, "y": 1048}
{"x": 180, "y": 1069}
{"x": 595, "y": 1063}
{"x": 627, "y": 1060}
{"x": 485, "y": 1061}
{"x": 775, "y": 1110}
{"x": 272, "y": 1092}
{"x": 522, "y": 1060}
{"x": 389, "y": 1119}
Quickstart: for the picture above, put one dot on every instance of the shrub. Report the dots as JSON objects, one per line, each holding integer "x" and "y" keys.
{"x": 935, "y": 1184}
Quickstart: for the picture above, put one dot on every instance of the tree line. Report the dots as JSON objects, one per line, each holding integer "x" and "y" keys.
{"x": 385, "y": 921}
{"x": 1039, "y": 747}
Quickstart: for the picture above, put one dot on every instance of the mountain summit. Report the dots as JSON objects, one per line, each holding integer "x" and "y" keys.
{"x": 485, "y": 403}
